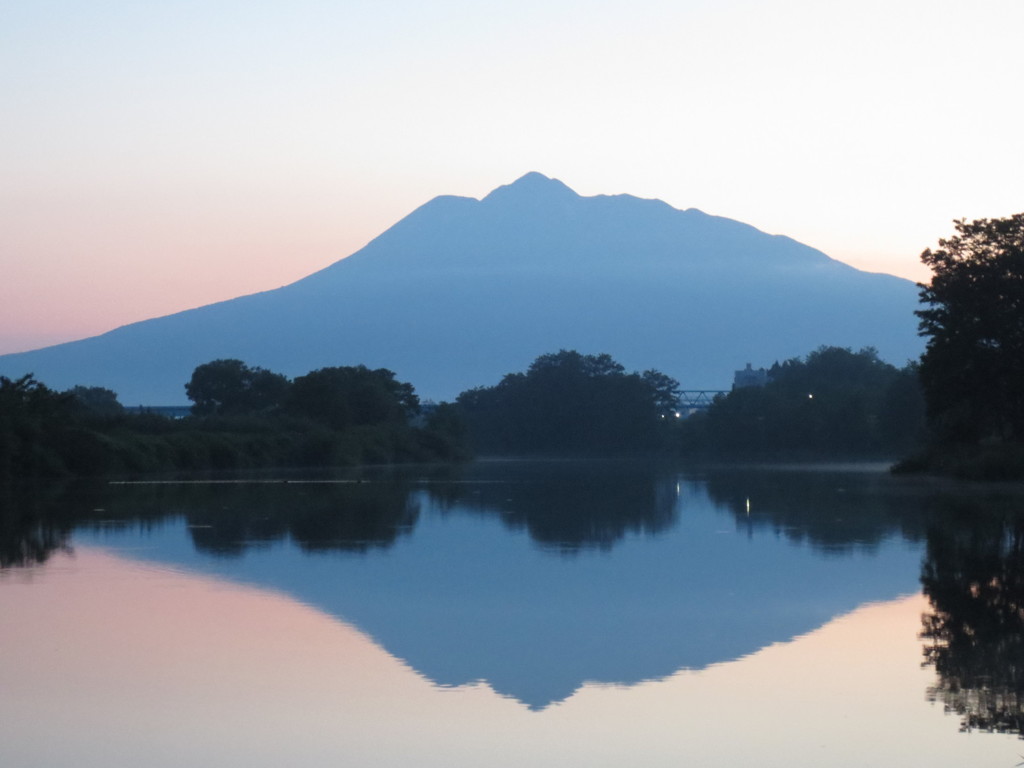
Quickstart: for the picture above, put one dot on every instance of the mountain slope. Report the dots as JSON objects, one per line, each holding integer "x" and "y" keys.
{"x": 462, "y": 291}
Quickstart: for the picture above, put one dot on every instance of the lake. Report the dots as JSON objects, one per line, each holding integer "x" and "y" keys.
{"x": 514, "y": 614}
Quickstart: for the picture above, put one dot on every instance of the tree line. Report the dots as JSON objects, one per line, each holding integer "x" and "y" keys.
{"x": 834, "y": 403}
{"x": 242, "y": 417}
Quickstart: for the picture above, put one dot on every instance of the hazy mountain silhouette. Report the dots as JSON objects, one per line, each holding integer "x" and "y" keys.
{"x": 462, "y": 291}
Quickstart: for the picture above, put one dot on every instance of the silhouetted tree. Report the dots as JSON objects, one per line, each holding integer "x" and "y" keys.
{"x": 665, "y": 391}
{"x": 348, "y": 396}
{"x": 96, "y": 401}
{"x": 567, "y": 402}
{"x": 231, "y": 387}
{"x": 973, "y": 367}
{"x": 444, "y": 432}
{"x": 33, "y": 420}
{"x": 30, "y": 397}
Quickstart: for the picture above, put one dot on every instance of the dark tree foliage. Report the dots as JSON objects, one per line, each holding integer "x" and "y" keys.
{"x": 444, "y": 431}
{"x": 97, "y": 402}
{"x": 349, "y": 396}
{"x": 232, "y": 387}
{"x": 569, "y": 403}
{"x": 28, "y": 397}
{"x": 665, "y": 391}
{"x": 973, "y": 367}
{"x": 833, "y": 403}
{"x": 243, "y": 418}
{"x": 33, "y": 427}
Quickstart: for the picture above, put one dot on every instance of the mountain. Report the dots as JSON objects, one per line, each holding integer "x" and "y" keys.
{"x": 462, "y": 291}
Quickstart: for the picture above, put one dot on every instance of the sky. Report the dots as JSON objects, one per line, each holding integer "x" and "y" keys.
{"x": 156, "y": 157}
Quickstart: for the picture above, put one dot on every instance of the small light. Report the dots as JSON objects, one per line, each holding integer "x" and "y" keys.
{"x": 810, "y": 397}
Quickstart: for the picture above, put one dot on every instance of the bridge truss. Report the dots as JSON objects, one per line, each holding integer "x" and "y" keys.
{"x": 698, "y": 399}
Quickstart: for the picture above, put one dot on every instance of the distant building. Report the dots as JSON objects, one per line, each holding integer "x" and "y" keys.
{"x": 748, "y": 377}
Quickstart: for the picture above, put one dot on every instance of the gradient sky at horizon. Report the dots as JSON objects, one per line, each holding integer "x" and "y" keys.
{"x": 161, "y": 156}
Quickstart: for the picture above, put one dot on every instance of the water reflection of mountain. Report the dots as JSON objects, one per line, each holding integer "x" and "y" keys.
{"x": 663, "y": 578}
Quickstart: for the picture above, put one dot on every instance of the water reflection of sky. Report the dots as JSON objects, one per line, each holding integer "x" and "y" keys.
{"x": 115, "y": 662}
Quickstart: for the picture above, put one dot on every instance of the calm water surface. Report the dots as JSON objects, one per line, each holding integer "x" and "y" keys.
{"x": 513, "y": 613}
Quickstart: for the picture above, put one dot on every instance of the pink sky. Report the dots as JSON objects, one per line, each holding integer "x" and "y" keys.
{"x": 160, "y": 157}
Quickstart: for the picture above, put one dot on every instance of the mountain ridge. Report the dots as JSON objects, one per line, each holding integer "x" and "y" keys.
{"x": 463, "y": 290}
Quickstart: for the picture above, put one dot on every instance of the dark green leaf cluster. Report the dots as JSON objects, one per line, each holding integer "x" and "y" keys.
{"x": 973, "y": 367}
{"x": 835, "y": 403}
{"x": 570, "y": 403}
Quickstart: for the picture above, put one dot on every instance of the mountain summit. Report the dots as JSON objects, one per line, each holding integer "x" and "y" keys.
{"x": 462, "y": 291}
{"x": 534, "y": 189}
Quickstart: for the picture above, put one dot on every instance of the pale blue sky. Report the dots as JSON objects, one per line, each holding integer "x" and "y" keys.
{"x": 159, "y": 156}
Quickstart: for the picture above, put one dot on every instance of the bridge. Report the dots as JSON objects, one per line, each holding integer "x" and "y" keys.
{"x": 691, "y": 400}
{"x": 167, "y": 411}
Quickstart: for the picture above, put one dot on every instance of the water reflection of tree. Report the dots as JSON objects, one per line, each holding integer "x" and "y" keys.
{"x": 973, "y": 575}
{"x": 351, "y": 517}
{"x": 569, "y": 506}
{"x": 834, "y": 512}
{"x": 565, "y": 506}
{"x": 35, "y": 521}
{"x": 229, "y": 519}
{"x": 223, "y": 519}
{"x": 28, "y": 540}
